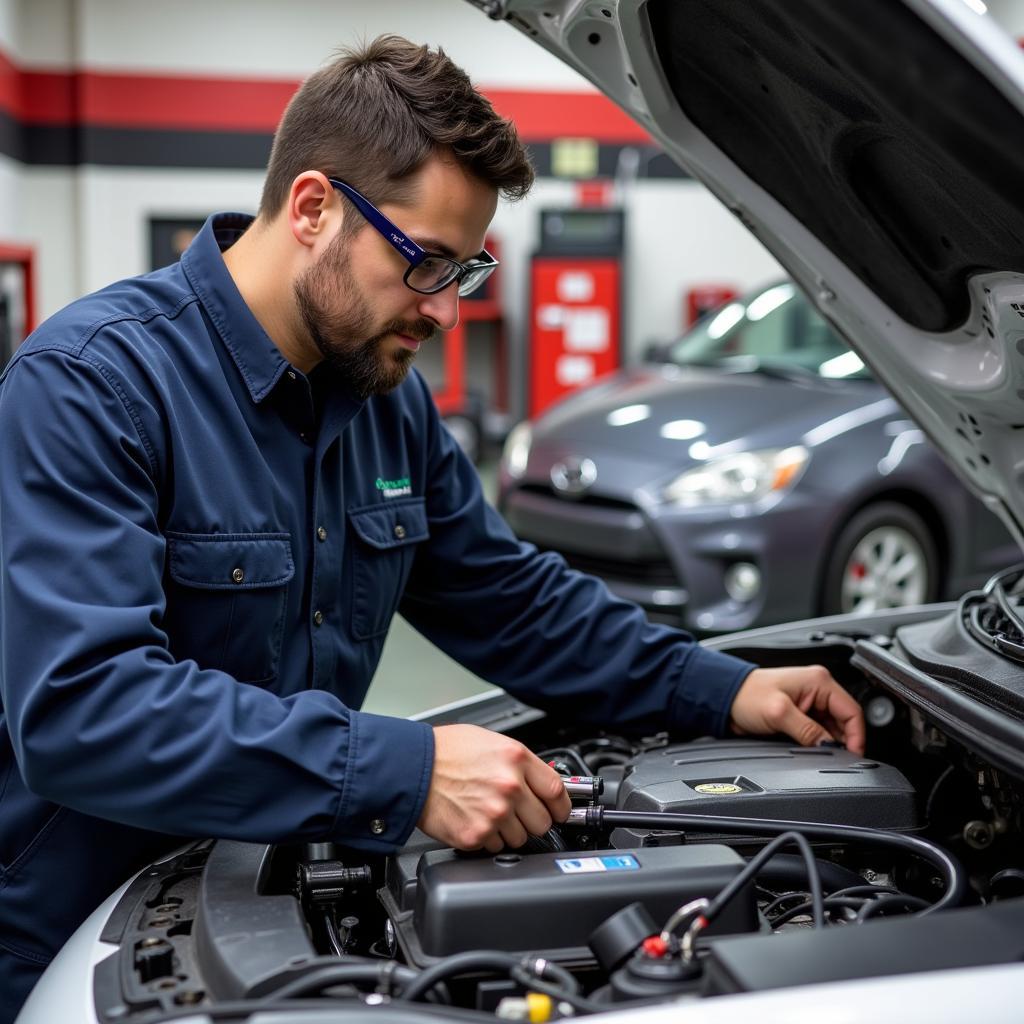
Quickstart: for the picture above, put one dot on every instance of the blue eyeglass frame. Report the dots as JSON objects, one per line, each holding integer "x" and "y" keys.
{"x": 410, "y": 251}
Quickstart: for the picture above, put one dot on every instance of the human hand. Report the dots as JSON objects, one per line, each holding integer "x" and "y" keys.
{"x": 488, "y": 790}
{"x": 805, "y": 703}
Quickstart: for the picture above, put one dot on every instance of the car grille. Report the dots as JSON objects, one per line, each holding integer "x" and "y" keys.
{"x": 648, "y": 574}
{"x": 593, "y": 500}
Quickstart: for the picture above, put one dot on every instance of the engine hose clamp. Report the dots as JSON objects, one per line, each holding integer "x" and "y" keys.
{"x": 692, "y": 912}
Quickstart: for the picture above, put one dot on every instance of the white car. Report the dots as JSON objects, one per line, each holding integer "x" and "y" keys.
{"x": 877, "y": 149}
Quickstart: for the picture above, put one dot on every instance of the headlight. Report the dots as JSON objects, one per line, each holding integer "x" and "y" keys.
{"x": 516, "y": 452}
{"x": 744, "y": 477}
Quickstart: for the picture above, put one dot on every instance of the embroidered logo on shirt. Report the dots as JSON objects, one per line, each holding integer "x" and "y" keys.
{"x": 394, "y": 488}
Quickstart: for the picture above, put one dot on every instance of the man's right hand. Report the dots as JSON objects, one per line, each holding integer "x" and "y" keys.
{"x": 489, "y": 791}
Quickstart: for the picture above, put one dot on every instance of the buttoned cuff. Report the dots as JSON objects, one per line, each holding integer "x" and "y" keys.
{"x": 387, "y": 777}
{"x": 705, "y": 691}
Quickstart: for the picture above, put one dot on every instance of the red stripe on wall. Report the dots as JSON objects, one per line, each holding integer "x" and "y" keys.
{"x": 255, "y": 105}
{"x": 543, "y": 116}
{"x": 150, "y": 101}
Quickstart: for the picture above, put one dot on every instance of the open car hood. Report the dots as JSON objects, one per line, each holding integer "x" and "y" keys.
{"x": 877, "y": 150}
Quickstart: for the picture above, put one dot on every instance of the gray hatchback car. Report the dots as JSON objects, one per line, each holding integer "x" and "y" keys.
{"x": 756, "y": 474}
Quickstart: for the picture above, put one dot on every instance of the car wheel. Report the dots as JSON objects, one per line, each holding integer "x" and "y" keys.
{"x": 884, "y": 558}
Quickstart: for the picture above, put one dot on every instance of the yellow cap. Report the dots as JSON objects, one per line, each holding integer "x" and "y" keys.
{"x": 539, "y": 1007}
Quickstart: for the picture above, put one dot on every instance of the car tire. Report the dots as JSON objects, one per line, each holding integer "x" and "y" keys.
{"x": 885, "y": 557}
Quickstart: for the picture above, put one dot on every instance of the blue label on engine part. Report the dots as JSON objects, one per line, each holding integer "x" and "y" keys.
{"x": 582, "y": 865}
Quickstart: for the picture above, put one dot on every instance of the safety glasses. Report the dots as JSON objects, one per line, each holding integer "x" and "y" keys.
{"x": 428, "y": 272}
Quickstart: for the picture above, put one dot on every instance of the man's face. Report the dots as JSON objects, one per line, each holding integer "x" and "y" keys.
{"x": 352, "y": 300}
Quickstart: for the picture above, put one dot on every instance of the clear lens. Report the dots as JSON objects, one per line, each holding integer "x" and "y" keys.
{"x": 475, "y": 278}
{"x": 433, "y": 274}
{"x": 738, "y": 479}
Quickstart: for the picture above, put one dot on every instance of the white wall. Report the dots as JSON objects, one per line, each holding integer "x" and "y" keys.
{"x": 265, "y": 38}
{"x": 90, "y": 226}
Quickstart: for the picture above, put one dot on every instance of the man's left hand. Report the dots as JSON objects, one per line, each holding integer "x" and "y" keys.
{"x": 805, "y": 703}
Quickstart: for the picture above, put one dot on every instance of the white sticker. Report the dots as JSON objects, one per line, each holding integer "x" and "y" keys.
{"x": 586, "y": 330}
{"x": 571, "y": 371}
{"x": 575, "y": 286}
{"x": 550, "y": 317}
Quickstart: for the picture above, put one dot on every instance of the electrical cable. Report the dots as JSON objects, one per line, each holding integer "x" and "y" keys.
{"x": 784, "y": 898}
{"x": 877, "y": 906}
{"x": 755, "y": 864}
{"x": 948, "y": 866}
{"x": 531, "y": 982}
{"x": 866, "y": 890}
{"x": 830, "y": 903}
{"x": 332, "y": 935}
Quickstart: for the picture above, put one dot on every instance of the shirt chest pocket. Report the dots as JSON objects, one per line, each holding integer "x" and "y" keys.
{"x": 226, "y": 596}
{"x": 383, "y": 549}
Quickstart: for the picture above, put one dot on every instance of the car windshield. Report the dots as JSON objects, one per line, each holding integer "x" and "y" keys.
{"x": 774, "y": 330}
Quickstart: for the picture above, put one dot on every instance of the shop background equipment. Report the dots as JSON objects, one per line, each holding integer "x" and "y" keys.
{"x": 575, "y": 332}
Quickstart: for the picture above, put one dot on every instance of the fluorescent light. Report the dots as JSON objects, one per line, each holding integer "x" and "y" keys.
{"x": 683, "y": 430}
{"x": 768, "y": 301}
{"x": 628, "y": 414}
{"x": 726, "y": 320}
{"x": 841, "y": 366}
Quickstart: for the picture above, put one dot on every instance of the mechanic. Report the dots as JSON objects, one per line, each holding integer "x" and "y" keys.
{"x": 218, "y": 483}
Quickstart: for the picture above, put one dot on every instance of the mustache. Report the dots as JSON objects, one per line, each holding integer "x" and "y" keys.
{"x": 419, "y": 330}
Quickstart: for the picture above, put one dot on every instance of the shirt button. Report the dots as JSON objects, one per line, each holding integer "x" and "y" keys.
{"x": 321, "y": 533}
{"x": 291, "y": 375}
{"x": 238, "y": 575}
{"x": 318, "y": 617}
{"x": 304, "y": 437}
{"x": 399, "y": 531}
{"x": 377, "y": 826}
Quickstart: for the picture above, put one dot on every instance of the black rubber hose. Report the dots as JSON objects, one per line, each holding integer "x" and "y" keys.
{"x": 386, "y": 971}
{"x": 947, "y": 865}
{"x": 459, "y": 963}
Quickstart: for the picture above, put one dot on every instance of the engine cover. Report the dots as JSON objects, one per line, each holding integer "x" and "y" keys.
{"x": 766, "y": 779}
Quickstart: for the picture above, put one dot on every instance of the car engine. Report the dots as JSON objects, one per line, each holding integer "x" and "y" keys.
{"x": 687, "y": 869}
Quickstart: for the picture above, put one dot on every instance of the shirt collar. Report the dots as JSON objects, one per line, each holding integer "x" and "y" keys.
{"x": 258, "y": 359}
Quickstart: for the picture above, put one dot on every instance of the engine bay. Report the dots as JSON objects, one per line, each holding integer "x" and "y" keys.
{"x": 687, "y": 869}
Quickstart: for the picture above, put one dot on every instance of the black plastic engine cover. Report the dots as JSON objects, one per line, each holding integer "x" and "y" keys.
{"x": 767, "y": 779}
{"x": 549, "y": 903}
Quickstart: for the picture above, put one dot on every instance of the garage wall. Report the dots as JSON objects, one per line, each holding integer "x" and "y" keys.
{"x": 89, "y": 225}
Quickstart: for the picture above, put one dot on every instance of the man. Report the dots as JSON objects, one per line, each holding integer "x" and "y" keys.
{"x": 219, "y": 481}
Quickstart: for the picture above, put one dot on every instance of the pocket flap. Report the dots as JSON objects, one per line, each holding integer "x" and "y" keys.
{"x": 391, "y": 525}
{"x": 230, "y": 561}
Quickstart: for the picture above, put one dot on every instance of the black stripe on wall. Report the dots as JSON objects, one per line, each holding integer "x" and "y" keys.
{"x": 66, "y": 146}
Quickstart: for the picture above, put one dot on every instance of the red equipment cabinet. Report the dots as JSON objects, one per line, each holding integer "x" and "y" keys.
{"x": 575, "y": 328}
{"x": 575, "y": 325}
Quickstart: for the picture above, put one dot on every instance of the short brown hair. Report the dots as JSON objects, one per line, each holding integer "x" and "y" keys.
{"x": 376, "y": 113}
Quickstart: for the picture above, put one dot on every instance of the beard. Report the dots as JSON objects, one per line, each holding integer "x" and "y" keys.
{"x": 340, "y": 320}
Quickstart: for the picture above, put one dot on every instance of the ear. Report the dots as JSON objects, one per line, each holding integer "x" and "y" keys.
{"x": 314, "y": 208}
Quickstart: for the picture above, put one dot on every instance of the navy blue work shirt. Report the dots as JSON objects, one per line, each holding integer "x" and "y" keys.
{"x": 199, "y": 564}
